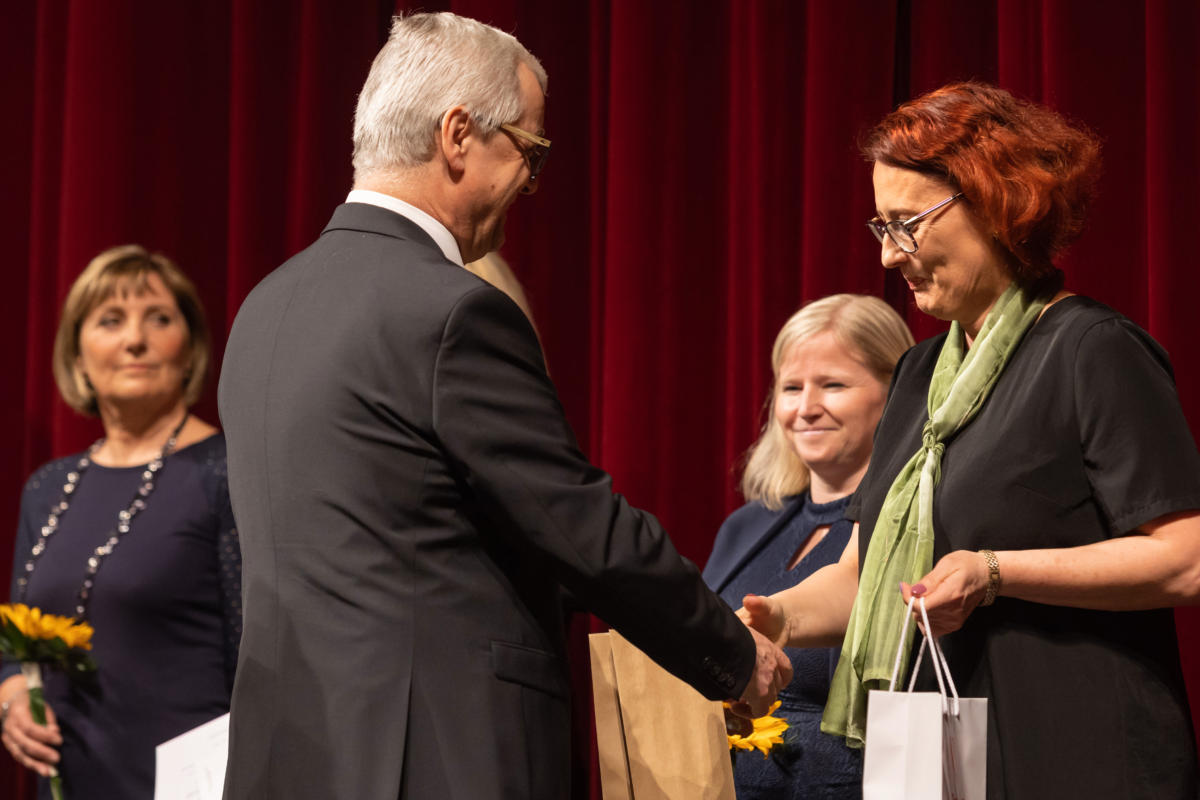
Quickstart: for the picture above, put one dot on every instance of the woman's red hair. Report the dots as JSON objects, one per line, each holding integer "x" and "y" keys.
{"x": 1027, "y": 173}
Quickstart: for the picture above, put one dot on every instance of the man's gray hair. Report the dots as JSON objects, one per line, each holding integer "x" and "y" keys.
{"x": 431, "y": 63}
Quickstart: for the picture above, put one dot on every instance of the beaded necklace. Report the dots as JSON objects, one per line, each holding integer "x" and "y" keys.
{"x": 124, "y": 518}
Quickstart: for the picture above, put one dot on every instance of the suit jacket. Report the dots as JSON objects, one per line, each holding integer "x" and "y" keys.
{"x": 409, "y": 499}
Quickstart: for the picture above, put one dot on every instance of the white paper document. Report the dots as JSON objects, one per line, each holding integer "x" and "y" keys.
{"x": 192, "y": 765}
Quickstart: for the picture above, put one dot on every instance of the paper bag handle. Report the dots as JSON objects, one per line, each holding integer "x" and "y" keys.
{"x": 940, "y": 666}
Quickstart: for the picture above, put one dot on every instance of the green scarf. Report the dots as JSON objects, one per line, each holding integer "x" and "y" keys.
{"x": 901, "y": 547}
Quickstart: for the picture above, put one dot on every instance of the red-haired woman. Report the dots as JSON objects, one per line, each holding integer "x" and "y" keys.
{"x": 1034, "y": 478}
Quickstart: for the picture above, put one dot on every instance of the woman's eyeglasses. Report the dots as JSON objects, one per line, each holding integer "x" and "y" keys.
{"x": 900, "y": 230}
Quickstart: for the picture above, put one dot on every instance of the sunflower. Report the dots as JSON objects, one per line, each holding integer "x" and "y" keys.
{"x": 33, "y": 624}
{"x": 768, "y": 732}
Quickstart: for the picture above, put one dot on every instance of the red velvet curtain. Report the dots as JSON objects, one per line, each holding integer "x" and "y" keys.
{"x": 704, "y": 183}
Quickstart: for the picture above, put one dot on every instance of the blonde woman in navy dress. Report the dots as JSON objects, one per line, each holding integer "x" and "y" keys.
{"x": 832, "y": 361}
{"x": 135, "y": 535}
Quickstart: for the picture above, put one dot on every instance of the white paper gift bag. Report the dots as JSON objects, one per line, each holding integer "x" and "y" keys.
{"x": 925, "y": 745}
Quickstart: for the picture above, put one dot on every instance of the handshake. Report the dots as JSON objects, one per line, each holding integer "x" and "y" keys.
{"x": 772, "y": 670}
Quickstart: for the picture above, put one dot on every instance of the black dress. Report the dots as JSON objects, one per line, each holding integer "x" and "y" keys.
{"x": 750, "y": 555}
{"x": 166, "y": 609}
{"x": 1082, "y": 440}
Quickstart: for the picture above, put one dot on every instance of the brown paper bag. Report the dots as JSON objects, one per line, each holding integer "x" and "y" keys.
{"x": 658, "y": 738}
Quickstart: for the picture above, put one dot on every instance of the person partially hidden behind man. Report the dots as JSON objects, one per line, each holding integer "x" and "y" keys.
{"x": 409, "y": 497}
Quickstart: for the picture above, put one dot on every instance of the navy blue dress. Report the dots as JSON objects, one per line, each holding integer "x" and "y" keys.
{"x": 166, "y": 608}
{"x": 750, "y": 556}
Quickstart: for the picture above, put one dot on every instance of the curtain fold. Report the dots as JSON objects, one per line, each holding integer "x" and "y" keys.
{"x": 705, "y": 182}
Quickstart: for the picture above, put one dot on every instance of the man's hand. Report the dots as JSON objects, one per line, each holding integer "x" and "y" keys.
{"x": 772, "y": 672}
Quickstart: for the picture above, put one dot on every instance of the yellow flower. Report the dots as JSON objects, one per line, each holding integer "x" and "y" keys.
{"x": 18, "y": 615}
{"x": 73, "y": 634}
{"x": 768, "y": 731}
{"x": 33, "y": 624}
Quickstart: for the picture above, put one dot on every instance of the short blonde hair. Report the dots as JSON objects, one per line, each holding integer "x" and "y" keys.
{"x": 871, "y": 331}
{"x": 129, "y": 265}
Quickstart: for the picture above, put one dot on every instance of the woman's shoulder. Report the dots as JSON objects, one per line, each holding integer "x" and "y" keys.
{"x": 212, "y": 443}
{"x": 915, "y": 368}
{"x": 754, "y": 517}
{"x": 921, "y": 357}
{"x": 209, "y": 451}
{"x": 739, "y": 531}
{"x": 206, "y": 462}
{"x": 1079, "y": 326}
{"x": 755, "y": 513}
{"x": 1078, "y": 310}
{"x": 1077, "y": 315}
{"x": 207, "y": 457}
{"x": 51, "y": 476}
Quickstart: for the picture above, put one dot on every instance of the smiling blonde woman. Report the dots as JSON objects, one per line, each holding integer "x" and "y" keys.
{"x": 832, "y": 361}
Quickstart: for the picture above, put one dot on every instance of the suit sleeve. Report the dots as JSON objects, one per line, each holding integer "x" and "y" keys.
{"x": 498, "y": 418}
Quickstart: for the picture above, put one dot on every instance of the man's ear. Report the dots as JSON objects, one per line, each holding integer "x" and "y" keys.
{"x": 455, "y": 137}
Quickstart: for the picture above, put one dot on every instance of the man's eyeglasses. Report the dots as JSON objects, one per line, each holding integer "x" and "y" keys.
{"x": 900, "y": 230}
{"x": 536, "y": 155}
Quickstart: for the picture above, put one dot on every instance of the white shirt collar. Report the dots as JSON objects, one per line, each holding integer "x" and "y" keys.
{"x": 436, "y": 230}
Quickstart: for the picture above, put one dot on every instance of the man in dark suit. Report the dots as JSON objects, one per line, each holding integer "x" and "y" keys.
{"x": 408, "y": 494}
